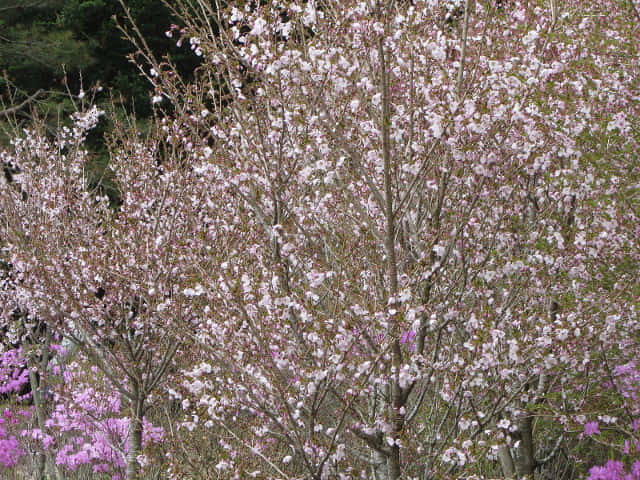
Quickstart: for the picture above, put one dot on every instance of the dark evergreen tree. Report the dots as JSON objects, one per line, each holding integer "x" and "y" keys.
{"x": 51, "y": 45}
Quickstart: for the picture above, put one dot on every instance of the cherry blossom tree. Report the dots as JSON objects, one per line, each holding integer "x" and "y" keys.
{"x": 400, "y": 236}
{"x": 112, "y": 281}
{"x": 417, "y": 185}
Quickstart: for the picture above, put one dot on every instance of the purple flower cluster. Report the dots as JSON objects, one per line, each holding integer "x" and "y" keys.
{"x": 10, "y": 450}
{"x": 13, "y": 375}
{"x": 615, "y": 470}
{"x": 86, "y": 427}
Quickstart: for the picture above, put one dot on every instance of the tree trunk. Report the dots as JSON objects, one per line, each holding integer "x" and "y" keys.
{"x": 506, "y": 462}
{"x": 378, "y": 458}
{"x": 37, "y": 405}
{"x": 525, "y": 460}
{"x": 396, "y": 400}
{"x": 379, "y": 465}
{"x": 41, "y": 464}
{"x": 397, "y": 420}
{"x": 135, "y": 436}
{"x": 44, "y": 468}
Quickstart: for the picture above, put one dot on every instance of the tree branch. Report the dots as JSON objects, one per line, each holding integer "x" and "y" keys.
{"x": 17, "y": 108}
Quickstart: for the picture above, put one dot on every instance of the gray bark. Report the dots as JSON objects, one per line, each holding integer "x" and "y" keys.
{"x": 135, "y": 435}
{"x": 396, "y": 400}
{"x": 506, "y": 462}
{"x": 525, "y": 461}
{"x": 44, "y": 467}
{"x": 378, "y": 458}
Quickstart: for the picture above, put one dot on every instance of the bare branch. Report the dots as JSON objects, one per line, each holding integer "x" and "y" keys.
{"x": 17, "y": 108}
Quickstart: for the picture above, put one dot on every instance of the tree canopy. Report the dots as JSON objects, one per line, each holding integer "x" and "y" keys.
{"x": 363, "y": 239}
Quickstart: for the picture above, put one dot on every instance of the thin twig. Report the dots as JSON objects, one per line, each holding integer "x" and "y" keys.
{"x": 16, "y": 108}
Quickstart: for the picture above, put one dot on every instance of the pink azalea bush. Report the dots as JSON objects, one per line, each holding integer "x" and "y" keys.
{"x": 13, "y": 377}
{"x": 621, "y": 434}
{"x": 89, "y": 425}
{"x": 86, "y": 427}
{"x": 10, "y": 450}
{"x": 13, "y": 373}
{"x": 614, "y": 470}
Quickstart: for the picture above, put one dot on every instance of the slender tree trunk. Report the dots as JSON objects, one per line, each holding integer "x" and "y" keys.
{"x": 135, "y": 435}
{"x": 378, "y": 458}
{"x": 506, "y": 462}
{"x": 397, "y": 420}
{"x": 397, "y": 399}
{"x": 43, "y": 466}
{"x": 37, "y": 405}
{"x": 525, "y": 460}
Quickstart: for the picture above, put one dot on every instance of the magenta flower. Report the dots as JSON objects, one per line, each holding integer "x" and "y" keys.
{"x": 591, "y": 428}
{"x": 614, "y": 470}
